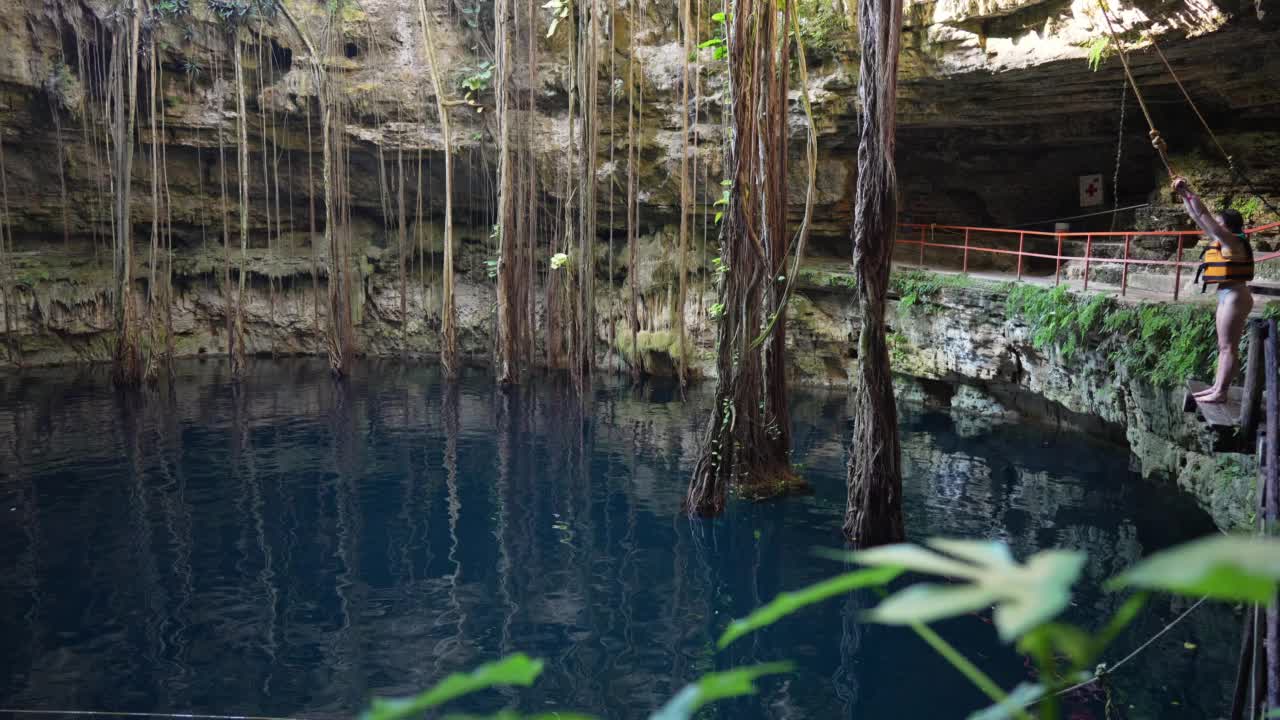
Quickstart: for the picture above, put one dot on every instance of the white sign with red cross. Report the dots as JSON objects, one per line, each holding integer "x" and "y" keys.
{"x": 1090, "y": 190}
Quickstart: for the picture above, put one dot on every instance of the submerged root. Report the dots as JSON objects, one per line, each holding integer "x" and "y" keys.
{"x": 773, "y": 484}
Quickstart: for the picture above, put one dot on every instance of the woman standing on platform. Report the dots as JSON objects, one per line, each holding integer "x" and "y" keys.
{"x": 1228, "y": 263}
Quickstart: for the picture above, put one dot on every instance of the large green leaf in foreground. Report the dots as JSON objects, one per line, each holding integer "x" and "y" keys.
{"x": 716, "y": 686}
{"x": 1024, "y": 596}
{"x": 1222, "y": 567}
{"x": 788, "y": 602}
{"x": 516, "y": 669}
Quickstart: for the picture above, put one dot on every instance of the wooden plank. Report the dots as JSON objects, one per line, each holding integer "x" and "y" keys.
{"x": 1264, "y": 288}
{"x": 1254, "y": 381}
{"x": 1217, "y": 415}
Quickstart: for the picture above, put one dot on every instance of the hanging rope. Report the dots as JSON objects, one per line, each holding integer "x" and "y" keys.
{"x": 1231, "y": 163}
{"x": 1115, "y": 178}
{"x": 1157, "y": 142}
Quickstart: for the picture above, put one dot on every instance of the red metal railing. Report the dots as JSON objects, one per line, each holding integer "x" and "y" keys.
{"x": 962, "y": 239}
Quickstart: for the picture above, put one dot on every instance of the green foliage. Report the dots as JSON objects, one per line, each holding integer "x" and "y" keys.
{"x": 1057, "y": 317}
{"x": 1022, "y": 696}
{"x": 514, "y": 670}
{"x": 716, "y": 311}
{"x": 237, "y": 12}
{"x": 1224, "y": 567}
{"x": 1164, "y": 343}
{"x": 786, "y": 603}
{"x": 476, "y": 81}
{"x": 723, "y": 200}
{"x": 1025, "y": 596}
{"x": 1099, "y": 49}
{"x": 899, "y": 348}
{"x": 823, "y": 31}
{"x": 559, "y": 260}
{"x": 172, "y": 8}
{"x": 1161, "y": 343}
{"x": 1250, "y": 208}
{"x": 559, "y": 12}
{"x": 720, "y": 37}
{"x": 513, "y": 715}
{"x": 916, "y": 287}
{"x": 717, "y": 686}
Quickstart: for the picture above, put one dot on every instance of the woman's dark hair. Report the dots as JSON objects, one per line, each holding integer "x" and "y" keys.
{"x": 1232, "y": 220}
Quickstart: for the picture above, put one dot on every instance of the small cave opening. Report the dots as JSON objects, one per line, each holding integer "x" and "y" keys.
{"x": 352, "y": 51}
{"x": 281, "y": 57}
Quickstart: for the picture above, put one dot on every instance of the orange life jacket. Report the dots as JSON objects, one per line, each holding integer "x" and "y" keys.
{"x": 1217, "y": 269}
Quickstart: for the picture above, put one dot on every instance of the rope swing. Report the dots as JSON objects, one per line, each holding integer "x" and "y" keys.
{"x": 1157, "y": 141}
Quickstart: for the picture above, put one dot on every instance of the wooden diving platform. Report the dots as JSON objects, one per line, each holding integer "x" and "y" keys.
{"x": 1234, "y": 423}
{"x": 1222, "y": 420}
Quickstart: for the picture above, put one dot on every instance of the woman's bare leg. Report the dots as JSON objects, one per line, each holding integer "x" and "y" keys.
{"x": 1233, "y": 310}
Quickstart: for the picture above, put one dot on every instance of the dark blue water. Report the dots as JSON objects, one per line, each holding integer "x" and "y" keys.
{"x": 298, "y": 545}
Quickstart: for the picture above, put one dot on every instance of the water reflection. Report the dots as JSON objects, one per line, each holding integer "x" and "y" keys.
{"x": 294, "y": 545}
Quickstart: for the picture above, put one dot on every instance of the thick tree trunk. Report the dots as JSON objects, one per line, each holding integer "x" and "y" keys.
{"x": 748, "y": 439}
{"x": 873, "y": 515}
{"x": 128, "y": 367}
{"x": 510, "y": 301}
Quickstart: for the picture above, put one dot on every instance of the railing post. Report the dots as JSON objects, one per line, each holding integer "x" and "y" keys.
{"x": 1057, "y": 268}
{"x": 1177, "y": 271}
{"x": 1124, "y": 269}
{"x": 922, "y": 246}
{"x": 1088, "y": 250}
{"x": 1022, "y": 241}
{"x": 965, "y": 264}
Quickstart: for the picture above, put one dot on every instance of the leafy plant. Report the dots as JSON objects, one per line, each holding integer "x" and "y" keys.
{"x": 716, "y": 686}
{"x": 1250, "y": 208}
{"x": 1028, "y": 598}
{"x": 559, "y": 260}
{"x": 723, "y": 201}
{"x": 716, "y": 311}
{"x": 1098, "y": 51}
{"x": 1222, "y": 567}
{"x": 1163, "y": 344}
{"x": 237, "y": 12}
{"x": 916, "y": 287}
{"x": 1056, "y": 316}
{"x": 786, "y": 603}
{"x": 172, "y": 8}
{"x": 823, "y": 30}
{"x": 1025, "y": 596}
{"x": 478, "y": 79}
{"x": 719, "y": 39}
{"x": 512, "y": 671}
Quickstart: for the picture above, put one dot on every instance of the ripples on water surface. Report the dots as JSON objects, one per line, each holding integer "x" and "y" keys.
{"x": 298, "y": 545}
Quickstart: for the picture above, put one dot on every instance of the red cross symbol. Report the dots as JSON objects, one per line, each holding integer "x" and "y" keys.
{"x": 1091, "y": 190}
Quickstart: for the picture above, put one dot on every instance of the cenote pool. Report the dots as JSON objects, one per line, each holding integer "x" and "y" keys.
{"x": 296, "y": 546}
